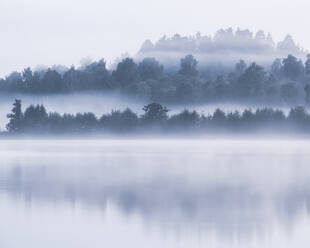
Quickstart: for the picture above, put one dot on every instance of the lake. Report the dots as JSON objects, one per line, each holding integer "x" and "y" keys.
{"x": 154, "y": 193}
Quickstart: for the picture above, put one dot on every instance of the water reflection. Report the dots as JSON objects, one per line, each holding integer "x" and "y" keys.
{"x": 243, "y": 189}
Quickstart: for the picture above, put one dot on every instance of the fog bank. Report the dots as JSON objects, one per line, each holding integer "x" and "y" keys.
{"x": 223, "y": 49}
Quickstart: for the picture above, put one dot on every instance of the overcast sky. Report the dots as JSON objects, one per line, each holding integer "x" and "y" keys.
{"x": 47, "y": 32}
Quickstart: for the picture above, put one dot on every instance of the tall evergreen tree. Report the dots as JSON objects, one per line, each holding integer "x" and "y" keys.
{"x": 15, "y": 117}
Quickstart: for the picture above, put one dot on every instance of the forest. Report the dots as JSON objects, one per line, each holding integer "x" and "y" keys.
{"x": 286, "y": 82}
{"x": 230, "y": 66}
{"x": 156, "y": 120}
{"x": 234, "y": 41}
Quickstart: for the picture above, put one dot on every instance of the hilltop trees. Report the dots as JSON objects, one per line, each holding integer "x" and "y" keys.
{"x": 227, "y": 40}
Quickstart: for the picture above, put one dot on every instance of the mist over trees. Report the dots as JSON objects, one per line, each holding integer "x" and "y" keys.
{"x": 225, "y": 47}
{"x": 155, "y": 120}
{"x": 243, "y": 41}
{"x": 285, "y": 82}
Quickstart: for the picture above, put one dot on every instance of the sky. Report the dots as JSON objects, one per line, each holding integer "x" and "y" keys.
{"x": 49, "y": 32}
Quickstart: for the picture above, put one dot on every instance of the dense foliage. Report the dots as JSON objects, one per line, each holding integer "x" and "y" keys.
{"x": 286, "y": 82}
{"x": 35, "y": 119}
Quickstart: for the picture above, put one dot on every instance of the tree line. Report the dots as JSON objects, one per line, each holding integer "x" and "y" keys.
{"x": 35, "y": 119}
{"x": 286, "y": 82}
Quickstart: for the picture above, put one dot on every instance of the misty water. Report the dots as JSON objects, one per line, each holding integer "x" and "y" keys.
{"x": 154, "y": 193}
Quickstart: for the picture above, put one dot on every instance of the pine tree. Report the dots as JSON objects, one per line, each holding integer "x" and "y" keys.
{"x": 16, "y": 117}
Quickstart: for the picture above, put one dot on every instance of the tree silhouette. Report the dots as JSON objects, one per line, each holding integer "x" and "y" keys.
{"x": 15, "y": 118}
{"x": 154, "y": 113}
{"x": 292, "y": 68}
{"x": 188, "y": 66}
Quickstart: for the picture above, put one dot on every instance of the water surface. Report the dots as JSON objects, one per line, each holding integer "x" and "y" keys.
{"x": 154, "y": 193}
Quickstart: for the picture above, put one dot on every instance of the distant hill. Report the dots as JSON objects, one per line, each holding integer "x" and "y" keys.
{"x": 226, "y": 47}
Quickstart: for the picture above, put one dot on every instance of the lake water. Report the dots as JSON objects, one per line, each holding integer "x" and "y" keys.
{"x": 154, "y": 193}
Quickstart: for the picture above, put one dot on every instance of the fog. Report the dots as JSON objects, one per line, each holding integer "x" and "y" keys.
{"x": 104, "y": 103}
{"x": 98, "y": 103}
{"x": 111, "y": 136}
{"x": 237, "y": 193}
{"x": 53, "y": 32}
{"x": 224, "y": 49}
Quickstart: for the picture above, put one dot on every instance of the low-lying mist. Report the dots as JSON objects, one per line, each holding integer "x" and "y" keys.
{"x": 103, "y": 103}
{"x": 195, "y": 73}
{"x": 98, "y": 103}
{"x": 223, "y": 49}
{"x": 155, "y": 119}
{"x": 227, "y": 186}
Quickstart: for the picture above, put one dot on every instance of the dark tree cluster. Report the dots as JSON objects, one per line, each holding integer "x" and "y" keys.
{"x": 286, "y": 82}
{"x": 35, "y": 119}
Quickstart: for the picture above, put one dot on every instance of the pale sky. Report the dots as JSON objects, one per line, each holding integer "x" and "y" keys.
{"x": 47, "y": 32}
